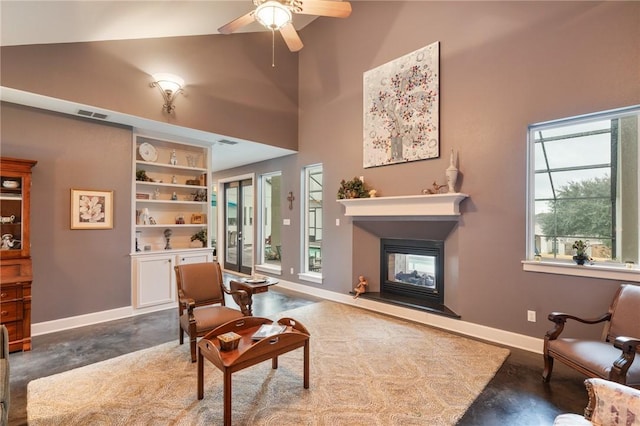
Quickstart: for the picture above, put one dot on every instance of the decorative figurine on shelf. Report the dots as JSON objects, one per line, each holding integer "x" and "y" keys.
{"x": 167, "y": 236}
{"x": 361, "y": 287}
{"x": 156, "y": 194}
{"x": 144, "y": 216}
{"x": 138, "y": 236}
{"x": 174, "y": 158}
{"x": 8, "y": 242}
{"x": 174, "y": 196}
{"x": 372, "y": 193}
{"x": 174, "y": 180}
{"x": 435, "y": 189}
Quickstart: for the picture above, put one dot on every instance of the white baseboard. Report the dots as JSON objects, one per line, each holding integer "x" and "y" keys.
{"x": 80, "y": 320}
{"x": 478, "y": 331}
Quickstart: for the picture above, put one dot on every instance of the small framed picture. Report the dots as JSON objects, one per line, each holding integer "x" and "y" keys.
{"x": 143, "y": 196}
{"x": 91, "y": 209}
{"x": 197, "y": 218}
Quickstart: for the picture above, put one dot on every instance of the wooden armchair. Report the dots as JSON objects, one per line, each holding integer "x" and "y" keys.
{"x": 610, "y": 358}
{"x": 201, "y": 305}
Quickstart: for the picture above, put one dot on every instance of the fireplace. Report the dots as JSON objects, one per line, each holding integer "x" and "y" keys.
{"x": 401, "y": 239}
{"x": 412, "y": 269}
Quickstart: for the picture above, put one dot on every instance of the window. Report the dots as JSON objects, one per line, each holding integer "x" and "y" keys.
{"x": 312, "y": 220}
{"x": 270, "y": 218}
{"x": 584, "y": 186}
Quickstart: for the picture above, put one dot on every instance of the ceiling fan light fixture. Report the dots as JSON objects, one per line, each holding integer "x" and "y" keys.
{"x": 273, "y": 15}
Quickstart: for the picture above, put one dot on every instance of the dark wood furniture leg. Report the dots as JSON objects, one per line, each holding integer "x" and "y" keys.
{"x": 200, "y": 375}
{"x": 227, "y": 397}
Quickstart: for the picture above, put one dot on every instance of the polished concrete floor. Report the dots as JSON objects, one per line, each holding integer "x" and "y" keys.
{"x": 516, "y": 396}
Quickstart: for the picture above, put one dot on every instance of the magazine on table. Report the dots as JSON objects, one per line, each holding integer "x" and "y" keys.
{"x": 267, "y": 330}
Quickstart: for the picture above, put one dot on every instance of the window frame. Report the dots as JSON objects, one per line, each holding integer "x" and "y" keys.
{"x": 306, "y": 273}
{"x": 604, "y": 270}
{"x": 261, "y": 264}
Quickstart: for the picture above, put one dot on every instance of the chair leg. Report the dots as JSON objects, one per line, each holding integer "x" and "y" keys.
{"x": 548, "y": 368}
{"x": 193, "y": 349}
{"x": 181, "y": 335}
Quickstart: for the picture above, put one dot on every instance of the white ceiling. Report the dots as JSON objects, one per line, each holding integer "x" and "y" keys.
{"x": 51, "y": 21}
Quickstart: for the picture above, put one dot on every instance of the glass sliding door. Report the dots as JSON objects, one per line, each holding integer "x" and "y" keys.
{"x": 238, "y": 223}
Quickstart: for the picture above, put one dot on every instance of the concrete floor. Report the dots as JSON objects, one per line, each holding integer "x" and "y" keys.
{"x": 516, "y": 396}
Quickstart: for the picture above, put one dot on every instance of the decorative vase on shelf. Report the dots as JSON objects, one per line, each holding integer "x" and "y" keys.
{"x": 452, "y": 173}
{"x": 144, "y": 216}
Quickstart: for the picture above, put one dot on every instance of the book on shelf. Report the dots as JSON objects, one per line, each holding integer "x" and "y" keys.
{"x": 267, "y": 330}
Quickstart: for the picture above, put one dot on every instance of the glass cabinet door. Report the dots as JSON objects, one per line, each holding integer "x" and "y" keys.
{"x": 11, "y": 213}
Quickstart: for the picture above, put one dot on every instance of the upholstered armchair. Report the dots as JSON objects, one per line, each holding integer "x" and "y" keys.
{"x": 4, "y": 375}
{"x": 610, "y": 358}
{"x": 610, "y": 404}
{"x": 201, "y": 304}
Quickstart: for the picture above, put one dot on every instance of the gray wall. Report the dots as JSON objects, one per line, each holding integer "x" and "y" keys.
{"x": 503, "y": 65}
{"x": 74, "y": 271}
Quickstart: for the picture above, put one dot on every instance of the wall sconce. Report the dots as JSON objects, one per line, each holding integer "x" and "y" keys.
{"x": 170, "y": 86}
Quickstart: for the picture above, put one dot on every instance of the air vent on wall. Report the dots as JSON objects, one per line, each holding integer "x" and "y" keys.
{"x": 227, "y": 142}
{"x": 85, "y": 113}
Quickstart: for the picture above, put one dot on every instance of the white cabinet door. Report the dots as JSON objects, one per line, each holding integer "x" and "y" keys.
{"x": 155, "y": 281}
{"x": 195, "y": 257}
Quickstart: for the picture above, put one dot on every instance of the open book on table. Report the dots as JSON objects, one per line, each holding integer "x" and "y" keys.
{"x": 267, "y": 330}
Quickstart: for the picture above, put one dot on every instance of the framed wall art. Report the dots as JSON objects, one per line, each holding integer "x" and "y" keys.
{"x": 401, "y": 109}
{"x": 91, "y": 209}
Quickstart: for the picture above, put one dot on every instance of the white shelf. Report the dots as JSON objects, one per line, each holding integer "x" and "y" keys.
{"x": 176, "y": 202}
{"x": 425, "y": 206}
{"x": 170, "y": 166}
{"x": 164, "y": 184}
{"x": 174, "y": 225}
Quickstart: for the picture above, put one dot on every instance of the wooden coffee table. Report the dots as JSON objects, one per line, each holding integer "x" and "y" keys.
{"x": 249, "y": 351}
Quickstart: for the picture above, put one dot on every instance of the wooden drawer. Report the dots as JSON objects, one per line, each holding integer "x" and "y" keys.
{"x": 7, "y": 294}
{"x": 14, "y": 329}
{"x": 10, "y": 311}
{"x": 15, "y": 270}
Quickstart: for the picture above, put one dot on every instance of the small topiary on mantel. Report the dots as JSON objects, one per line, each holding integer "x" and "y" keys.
{"x": 354, "y": 188}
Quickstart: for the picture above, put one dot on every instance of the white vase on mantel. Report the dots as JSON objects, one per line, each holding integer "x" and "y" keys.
{"x": 452, "y": 172}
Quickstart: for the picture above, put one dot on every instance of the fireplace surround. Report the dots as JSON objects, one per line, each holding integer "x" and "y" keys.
{"x": 413, "y": 220}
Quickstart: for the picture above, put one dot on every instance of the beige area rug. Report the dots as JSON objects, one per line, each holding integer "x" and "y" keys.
{"x": 366, "y": 369}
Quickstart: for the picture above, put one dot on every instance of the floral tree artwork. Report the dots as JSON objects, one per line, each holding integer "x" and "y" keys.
{"x": 401, "y": 109}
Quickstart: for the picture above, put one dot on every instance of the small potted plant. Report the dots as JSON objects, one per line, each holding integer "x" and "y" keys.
{"x": 354, "y": 188}
{"x": 201, "y": 236}
{"x": 581, "y": 252}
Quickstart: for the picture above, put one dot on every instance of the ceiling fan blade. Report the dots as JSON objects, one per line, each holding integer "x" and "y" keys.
{"x": 291, "y": 37}
{"x": 334, "y": 9}
{"x": 237, "y": 23}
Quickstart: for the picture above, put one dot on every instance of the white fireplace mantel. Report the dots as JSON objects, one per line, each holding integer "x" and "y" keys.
{"x": 426, "y": 206}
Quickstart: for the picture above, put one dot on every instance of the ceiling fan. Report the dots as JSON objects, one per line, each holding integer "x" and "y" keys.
{"x": 277, "y": 14}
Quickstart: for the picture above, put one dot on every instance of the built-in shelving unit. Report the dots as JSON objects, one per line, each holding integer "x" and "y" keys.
{"x": 171, "y": 204}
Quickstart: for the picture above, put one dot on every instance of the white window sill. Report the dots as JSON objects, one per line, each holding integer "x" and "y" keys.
{"x": 269, "y": 269}
{"x": 607, "y": 272}
{"x": 313, "y": 277}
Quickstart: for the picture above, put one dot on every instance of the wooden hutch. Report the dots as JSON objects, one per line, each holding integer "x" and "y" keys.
{"x": 15, "y": 251}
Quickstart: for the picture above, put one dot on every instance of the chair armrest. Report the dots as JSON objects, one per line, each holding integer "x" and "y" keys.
{"x": 560, "y": 319}
{"x": 629, "y": 346}
{"x": 187, "y": 303}
{"x": 606, "y": 397}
